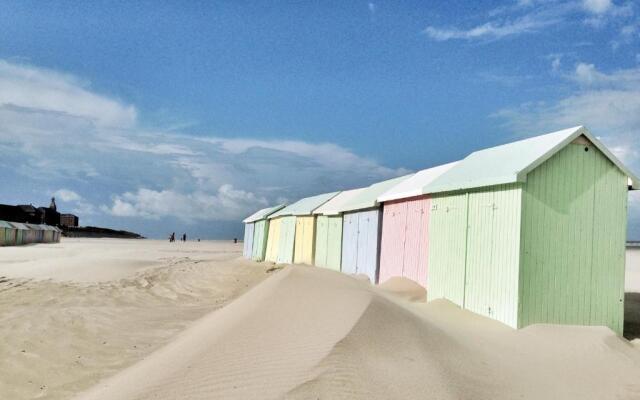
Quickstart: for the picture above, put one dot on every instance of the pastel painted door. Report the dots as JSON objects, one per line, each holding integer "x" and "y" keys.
{"x": 368, "y": 240}
{"x": 304, "y": 240}
{"x": 350, "y": 243}
{"x": 416, "y": 248}
{"x": 394, "y": 229}
{"x": 273, "y": 240}
{"x": 322, "y": 232}
{"x": 447, "y": 247}
{"x": 287, "y": 239}
{"x": 247, "y": 248}
{"x": 334, "y": 243}
{"x": 260, "y": 231}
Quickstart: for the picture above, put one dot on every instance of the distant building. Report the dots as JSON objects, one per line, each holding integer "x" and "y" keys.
{"x": 27, "y": 213}
{"x": 68, "y": 220}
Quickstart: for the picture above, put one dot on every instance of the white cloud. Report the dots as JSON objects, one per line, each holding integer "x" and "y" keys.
{"x": 45, "y": 90}
{"x": 597, "y": 6}
{"x": 227, "y": 204}
{"x": 67, "y": 195}
{"x": 75, "y": 203}
{"x": 91, "y": 146}
{"x": 492, "y": 30}
{"x": 534, "y": 16}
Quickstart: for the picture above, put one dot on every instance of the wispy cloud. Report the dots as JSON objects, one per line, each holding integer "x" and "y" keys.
{"x": 532, "y": 16}
{"x": 493, "y": 29}
{"x": 597, "y": 6}
{"x": 46, "y": 90}
{"x": 55, "y": 131}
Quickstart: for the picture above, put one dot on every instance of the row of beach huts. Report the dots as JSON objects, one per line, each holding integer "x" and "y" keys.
{"x": 17, "y": 233}
{"x": 529, "y": 232}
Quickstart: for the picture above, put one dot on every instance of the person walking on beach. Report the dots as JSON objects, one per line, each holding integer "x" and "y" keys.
{"x": 172, "y": 238}
{"x": 184, "y": 237}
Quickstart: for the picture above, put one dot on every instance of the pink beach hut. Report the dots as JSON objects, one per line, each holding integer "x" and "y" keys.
{"x": 404, "y": 243}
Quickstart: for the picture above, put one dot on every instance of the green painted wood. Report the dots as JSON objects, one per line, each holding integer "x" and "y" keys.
{"x": 260, "y": 233}
{"x": 610, "y": 229}
{"x": 493, "y": 249}
{"x": 329, "y": 241}
{"x": 447, "y": 247}
{"x": 322, "y": 232}
{"x": 573, "y": 235}
{"x": 287, "y": 237}
{"x": 334, "y": 243}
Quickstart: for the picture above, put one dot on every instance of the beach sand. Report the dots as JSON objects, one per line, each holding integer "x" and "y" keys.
{"x": 299, "y": 333}
{"x": 76, "y": 312}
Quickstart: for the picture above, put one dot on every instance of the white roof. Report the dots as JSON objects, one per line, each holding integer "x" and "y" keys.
{"x": 413, "y": 186}
{"x": 305, "y": 206}
{"x": 262, "y": 214}
{"x": 368, "y": 198}
{"x": 512, "y": 162}
{"x": 334, "y": 206}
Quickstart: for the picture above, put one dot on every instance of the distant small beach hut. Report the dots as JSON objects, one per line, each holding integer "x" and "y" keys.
{"x": 297, "y": 229}
{"x": 328, "y": 248}
{"x": 404, "y": 242}
{"x": 48, "y": 233}
{"x": 35, "y": 234}
{"x": 22, "y": 233}
{"x": 57, "y": 233}
{"x": 256, "y": 231}
{"x": 533, "y": 232}
{"x": 361, "y": 230}
{"x": 247, "y": 244}
{"x": 7, "y": 234}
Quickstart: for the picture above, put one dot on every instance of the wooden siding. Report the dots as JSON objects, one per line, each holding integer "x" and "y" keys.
{"x": 474, "y": 250}
{"x": 287, "y": 238}
{"x": 349, "y": 243}
{"x": 328, "y": 252}
{"x": 304, "y": 240}
{"x": 405, "y": 239}
{"x": 247, "y": 247}
{"x": 493, "y": 248}
{"x": 392, "y": 240}
{"x": 260, "y": 234}
{"x": 322, "y": 234}
{"x": 273, "y": 240}
{"x": 360, "y": 243}
{"x": 334, "y": 243}
{"x": 416, "y": 247}
{"x": 447, "y": 247}
{"x": 573, "y": 238}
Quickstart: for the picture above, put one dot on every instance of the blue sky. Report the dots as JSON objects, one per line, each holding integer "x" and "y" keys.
{"x": 185, "y": 116}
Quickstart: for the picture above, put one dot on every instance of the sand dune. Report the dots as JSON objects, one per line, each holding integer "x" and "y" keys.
{"x": 63, "y": 335}
{"x": 150, "y": 320}
{"x": 312, "y": 333}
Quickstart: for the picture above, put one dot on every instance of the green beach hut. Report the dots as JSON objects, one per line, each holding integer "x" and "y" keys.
{"x": 329, "y": 230}
{"x": 533, "y": 232}
{"x": 7, "y": 234}
{"x": 297, "y": 230}
{"x": 22, "y": 233}
{"x": 259, "y": 229}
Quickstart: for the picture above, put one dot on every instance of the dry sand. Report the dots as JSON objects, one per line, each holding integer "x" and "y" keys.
{"x": 310, "y": 333}
{"x": 302, "y": 333}
{"x": 61, "y": 333}
{"x": 632, "y": 295}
